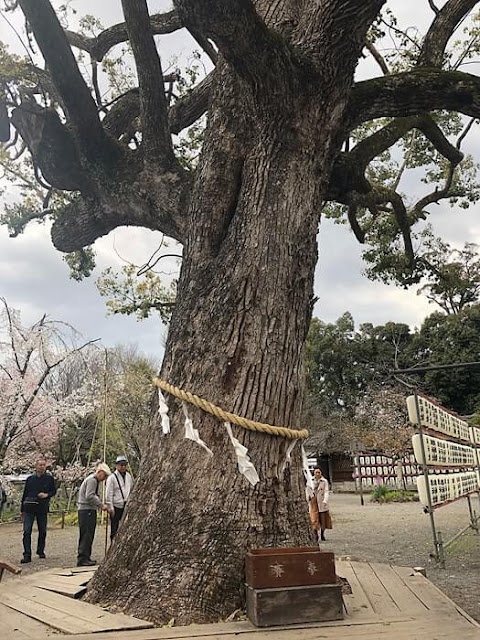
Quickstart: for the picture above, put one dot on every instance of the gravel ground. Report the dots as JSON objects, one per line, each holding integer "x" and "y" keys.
{"x": 60, "y": 549}
{"x": 392, "y": 533}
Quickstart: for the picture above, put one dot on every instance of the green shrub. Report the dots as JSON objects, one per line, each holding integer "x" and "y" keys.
{"x": 71, "y": 519}
{"x": 385, "y": 494}
{"x": 379, "y": 493}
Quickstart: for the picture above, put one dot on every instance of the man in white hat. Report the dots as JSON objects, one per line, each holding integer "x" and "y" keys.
{"x": 88, "y": 504}
{"x": 119, "y": 485}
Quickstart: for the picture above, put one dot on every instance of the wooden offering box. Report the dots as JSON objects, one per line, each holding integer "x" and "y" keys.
{"x": 292, "y": 585}
{"x": 294, "y": 605}
{"x": 289, "y": 567}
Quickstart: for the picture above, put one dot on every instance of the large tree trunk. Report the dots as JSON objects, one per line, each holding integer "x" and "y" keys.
{"x": 280, "y": 104}
{"x": 236, "y": 339}
{"x": 277, "y": 115}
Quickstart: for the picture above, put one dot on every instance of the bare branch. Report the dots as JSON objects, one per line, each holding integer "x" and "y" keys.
{"x": 160, "y": 23}
{"x": 442, "y": 28}
{"x": 67, "y": 78}
{"x": 377, "y": 196}
{"x": 436, "y": 195}
{"x": 432, "y": 132}
{"x": 156, "y": 139}
{"x": 354, "y": 224}
{"x": 379, "y": 59}
{"x": 96, "y": 87}
{"x": 375, "y": 144}
{"x": 465, "y": 132}
{"x": 337, "y": 27}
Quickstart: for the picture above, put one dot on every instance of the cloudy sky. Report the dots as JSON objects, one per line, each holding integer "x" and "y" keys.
{"x": 34, "y": 278}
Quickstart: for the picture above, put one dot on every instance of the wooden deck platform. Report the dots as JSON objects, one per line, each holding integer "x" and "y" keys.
{"x": 387, "y": 603}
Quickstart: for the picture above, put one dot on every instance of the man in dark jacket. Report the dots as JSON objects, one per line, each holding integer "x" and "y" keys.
{"x": 39, "y": 488}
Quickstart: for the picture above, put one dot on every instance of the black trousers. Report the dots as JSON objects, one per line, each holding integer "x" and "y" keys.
{"x": 115, "y": 521}
{"x": 87, "y": 523}
{"x": 28, "y": 520}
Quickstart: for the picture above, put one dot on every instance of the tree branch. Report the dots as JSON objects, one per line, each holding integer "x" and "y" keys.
{"x": 414, "y": 92}
{"x": 334, "y": 26}
{"x": 132, "y": 203}
{"x": 206, "y": 46}
{"x": 432, "y": 132}
{"x": 156, "y": 138}
{"x": 379, "y": 59}
{"x": 67, "y": 78}
{"x": 369, "y": 148}
{"x": 191, "y": 107}
{"x": 437, "y": 194}
{"x": 4, "y": 121}
{"x": 441, "y": 29}
{"x": 181, "y": 114}
{"x": 51, "y": 145}
{"x": 160, "y": 24}
{"x": 348, "y": 174}
{"x": 257, "y": 54}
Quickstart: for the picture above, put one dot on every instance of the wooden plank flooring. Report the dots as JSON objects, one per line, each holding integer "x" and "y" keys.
{"x": 42, "y": 597}
{"x": 401, "y": 630}
{"x": 387, "y": 603}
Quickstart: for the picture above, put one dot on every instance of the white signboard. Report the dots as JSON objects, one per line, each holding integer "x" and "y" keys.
{"x": 437, "y": 418}
{"x": 447, "y": 487}
{"x": 443, "y": 452}
{"x": 475, "y": 435}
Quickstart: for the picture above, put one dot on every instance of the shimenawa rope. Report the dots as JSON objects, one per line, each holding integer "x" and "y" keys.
{"x": 226, "y": 416}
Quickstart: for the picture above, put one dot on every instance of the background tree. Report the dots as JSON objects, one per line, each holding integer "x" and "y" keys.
{"x": 30, "y": 359}
{"x": 281, "y": 102}
{"x": 452, "y": 276}
{"x": 116, "y": 387}
{"x": 381, "y": 420}
{"x": 450, "y": 339}
{"x": 342, "y": 361}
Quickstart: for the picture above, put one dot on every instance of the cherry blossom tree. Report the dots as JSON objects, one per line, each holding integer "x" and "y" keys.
{"x": 31, "y": 359}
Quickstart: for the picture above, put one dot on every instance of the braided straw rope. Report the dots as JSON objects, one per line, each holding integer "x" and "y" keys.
{"x": 186, "y": 396}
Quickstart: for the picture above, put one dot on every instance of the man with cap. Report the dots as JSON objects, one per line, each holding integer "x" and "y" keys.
{"x": 119, "y": 485}
{"x": 88, "y": 504}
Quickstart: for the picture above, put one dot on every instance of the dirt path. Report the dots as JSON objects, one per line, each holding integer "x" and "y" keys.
{"x": 393, "y": 533}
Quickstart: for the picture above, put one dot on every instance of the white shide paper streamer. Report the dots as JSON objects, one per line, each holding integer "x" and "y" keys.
{"x": 191, "y": 433}
{"x": 309, "y": 489}
{"x": 163, "y": 411}
{"x": 288, "y": 456}
{"x": 245, "y": 466}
